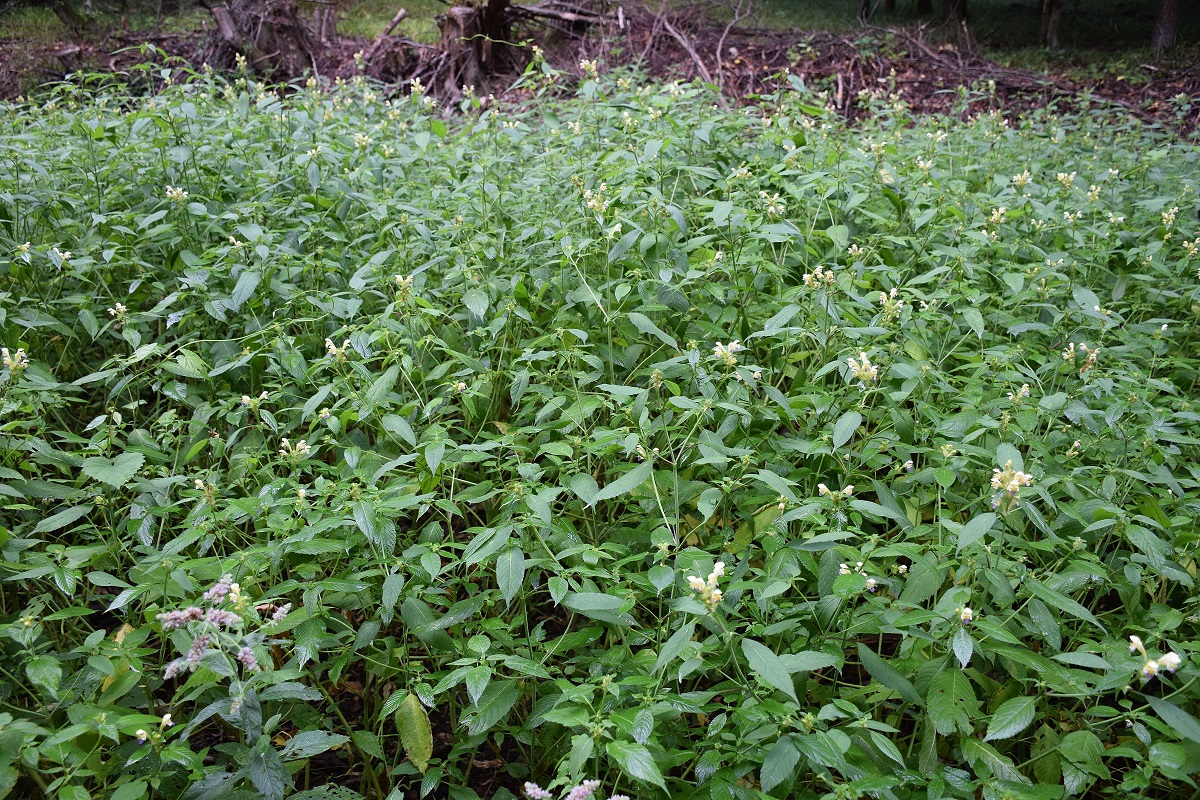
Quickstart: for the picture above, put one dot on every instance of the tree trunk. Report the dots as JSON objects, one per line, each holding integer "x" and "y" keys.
{"x": 1051, "y": 16}
{"x": 864, "y": 10}
{"x": 1165, "y": 25}
{"x": 474, "y": 38}
{"x": 69, "y": 16}
{"x": 325, "y": 23}
{"x": 268, "y": 33}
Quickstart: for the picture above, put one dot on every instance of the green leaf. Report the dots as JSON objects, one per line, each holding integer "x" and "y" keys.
{"x": 1012, "y": 717}
{"x": 379, "y": 390}
{"x": 267, "y": 772}
{"x": 768, "y": 668}
{"x": 45, "y": 672}
{"x": 62, "y": 518}
{"x": 476, "y": 301}
{"x": 307, "y": 744}
{"x": 625, "y": 484}
{"x": 963, "y": 646}
{"x": 1176, "y": 718}
{"x": 979, "y": 754}
{"x": 510, "y": 572}
{"x": 601, "y": 606}
{"x": 975, "y": 530}
{"x": 647, "y": 326}
{"x": 494, "y": 706}
{"x": 845, "y": 427}
{"x": 779, "y": 764}
{"x": 951, "y": 700}
{"x": 416, "y": 735}
{"x": 116, "y": 471}
{"x": 883, "y": 672}
{"x": 1059, "y": 600}
{"x": 674, "y": 646}
{"x": 636, "y": 761}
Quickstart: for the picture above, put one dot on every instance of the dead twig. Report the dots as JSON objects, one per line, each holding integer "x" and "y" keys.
{"x": 691, "y": 51}
{"x": 391, "y": 26}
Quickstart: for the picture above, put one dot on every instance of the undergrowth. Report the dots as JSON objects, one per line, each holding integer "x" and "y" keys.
{"x": 351, "y": 448}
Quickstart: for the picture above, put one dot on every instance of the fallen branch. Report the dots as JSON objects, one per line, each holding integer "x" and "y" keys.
{"x": 391, "y": 26}
{"x": 691, "y": 51}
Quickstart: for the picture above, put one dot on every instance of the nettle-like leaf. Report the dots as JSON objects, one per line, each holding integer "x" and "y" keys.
{"x": 116, "y": 472}
{"x": 951, "y": 702}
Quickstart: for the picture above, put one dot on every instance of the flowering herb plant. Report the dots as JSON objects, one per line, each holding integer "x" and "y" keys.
{"x": 619, "y": 445}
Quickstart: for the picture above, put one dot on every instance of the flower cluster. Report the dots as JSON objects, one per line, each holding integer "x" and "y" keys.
{"x": 862, "y": 369}
{"x": 709, "y": 592}
{"x": 1008, "y": 483}
{"x": 143, "y": 736}
{"x": 1168, "y": 662}
{"x": 844, "y": 569}
{"x": 581, "y": 792}
{"x": 725, "y": 352}
{"x": 1021, "y": 180}
{"x": 820, "y": 277}
{"x": 1020, "y": 394}
{"x": 253, "y": 403}
{"x": 63, "y": 255}
{"x": 596, "y": 201}
{"x": 823, "y": 491}
{"x": 117, "y": 312}
{"x": 295, "y": 452}
{"x": 775, "y": 206}
{"x": 335, "y": 352}
{"x": 965, "y": 615}
{"x": 14, "y": 362}
{"x": 404, "y": 286}
{"x": 892, "y": 304}
{"x": 217, "y": 628}
{"x": 1087, "y": 357}
{"x": 1066, "y": 180}
{"x": 176, "y": 194}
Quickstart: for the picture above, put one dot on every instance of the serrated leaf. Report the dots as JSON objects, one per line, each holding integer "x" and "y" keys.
{"x": 636, "y": 761}
{"x": 950, "y": 701}
{"x": 310, "y": 743}
{"x": 963, "y": 646}
{"x": 510, "y": 572}
{"x": 1012, "y": 717}
{"x": 643, "y": 725}
{"x": 883, "y": 672}
{"x": 115, "y": 471}
{"x": 45, "y": 672}
{"x": 1060, "y": 600}
{"x": 1179, "y": 720}
{"x": 476, "y": 301}
{"x": 416, "y": 735}
{"x": 600, "y": 606}
{"x": 646, "y": 325}
{"x": 493, "y": 706}
{"x": 768, "y": 668}
{"x": 674, "y": 646}
{"x": 626, "y": 483}
{"x": 845, "y": 427}
{"x": 62, "y": 518}
{"x": 975, "y": 530}
{"x": 779, "y": 764}
{"x": 392, "y": 586}
{"x": 979, "y": 754}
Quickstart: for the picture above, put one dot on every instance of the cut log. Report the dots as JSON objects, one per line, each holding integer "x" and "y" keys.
{"x": 268, "y": 33}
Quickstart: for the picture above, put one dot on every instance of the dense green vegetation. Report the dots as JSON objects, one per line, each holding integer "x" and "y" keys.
{"x": 351, "y": 448}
